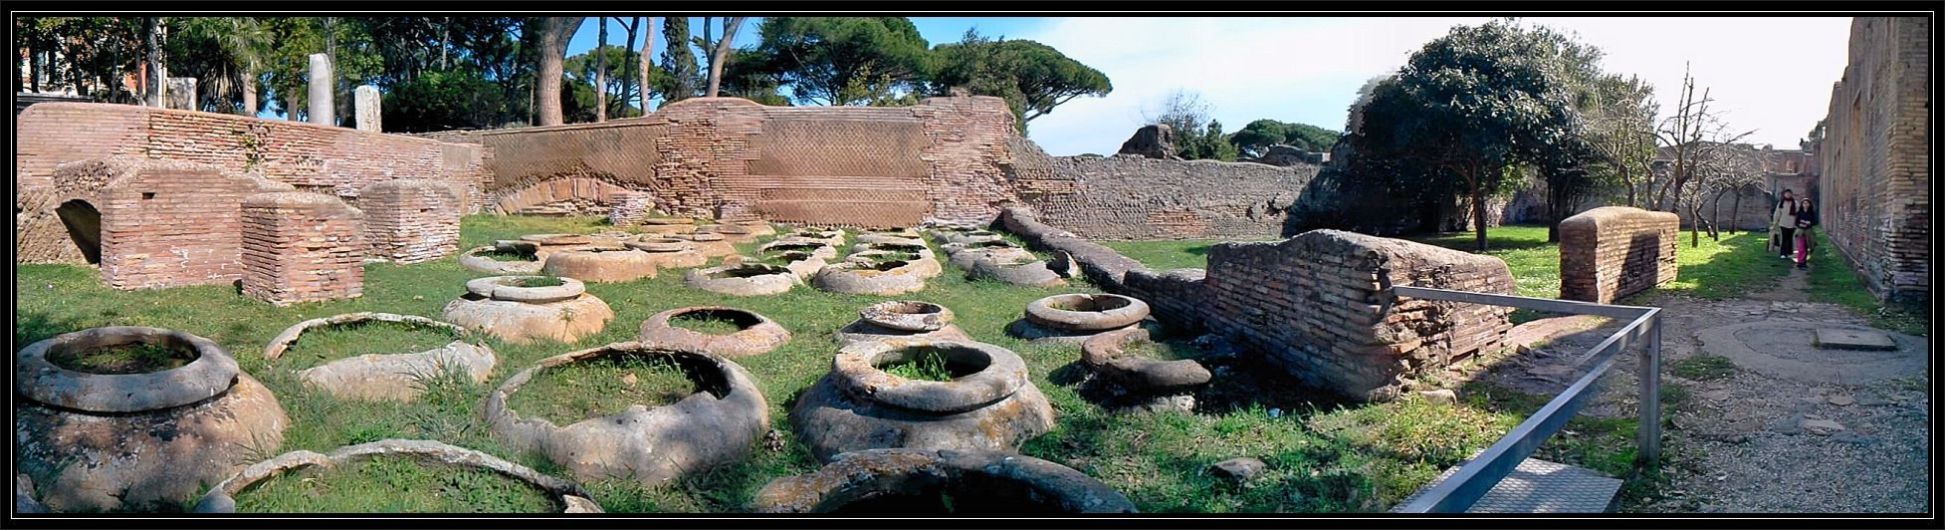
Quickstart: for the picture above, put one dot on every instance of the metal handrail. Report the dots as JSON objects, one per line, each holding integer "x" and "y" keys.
{"x": 1484, "y": 471}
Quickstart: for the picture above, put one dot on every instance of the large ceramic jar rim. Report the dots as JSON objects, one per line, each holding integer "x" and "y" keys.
{"x": 502, "y": 288}
{"x": 856, "y": 371}
{"x": 1044, "y": 312}
{"x": 38, "y": 379}
{"x": 907, "y": 315}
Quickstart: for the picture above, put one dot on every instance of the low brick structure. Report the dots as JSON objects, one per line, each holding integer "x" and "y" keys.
{"x": 302, "y": 247}
{"x": 148, "y": 223}
{"x": 1610, "y": 252}
{"x": 331, "y": 160}
{"x": 1311, "y": 303}
{"x": 410, "y": 221}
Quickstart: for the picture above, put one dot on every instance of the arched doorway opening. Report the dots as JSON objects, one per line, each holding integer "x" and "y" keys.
{"x": 83, "y": 222}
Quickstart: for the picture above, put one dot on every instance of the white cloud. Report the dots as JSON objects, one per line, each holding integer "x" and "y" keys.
{"x": 1769, "y": 74}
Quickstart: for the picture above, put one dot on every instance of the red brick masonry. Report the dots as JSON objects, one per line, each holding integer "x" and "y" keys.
{"x": 1610, "y": 252}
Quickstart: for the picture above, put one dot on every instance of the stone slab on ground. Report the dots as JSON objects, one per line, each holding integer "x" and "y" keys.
{"x": 1854, "y": 339}
{"x": 1786, "y": 349}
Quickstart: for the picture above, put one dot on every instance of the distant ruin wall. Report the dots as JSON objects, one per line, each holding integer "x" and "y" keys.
{"x": 95, "y": 142}
{"x": 1126, "y": 197}
{"x": 311, "y": 157}
{"x": 729, "y": 157}
{"x": 1873, "y": 192}
{"x": 1310, "y": 303}
{"x": 1610, "y": 252}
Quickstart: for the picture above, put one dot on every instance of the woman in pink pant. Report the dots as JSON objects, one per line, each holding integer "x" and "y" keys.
{"x": 1806, "y": 219}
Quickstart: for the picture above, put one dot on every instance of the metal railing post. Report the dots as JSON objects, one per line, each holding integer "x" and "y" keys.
{"x": 1648, "y": 433}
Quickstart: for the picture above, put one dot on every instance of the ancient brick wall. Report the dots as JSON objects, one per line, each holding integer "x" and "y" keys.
{"x": 1610, "y": 252}
{"x": 410, "y": 221}
{"x": 171, "y": 223}
{"x": 301, "y": 247}
{"x": 1310, "y": 303}
{"x": 1873, "y": 188}
{"x": 1127, "y": 197}
{"x": 730, "y": 158}
{"x": 312, "y": 157}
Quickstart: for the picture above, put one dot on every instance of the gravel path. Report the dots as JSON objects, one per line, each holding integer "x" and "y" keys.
{"x": 1753, "y": 442}
{"x": 1756, "y": 442}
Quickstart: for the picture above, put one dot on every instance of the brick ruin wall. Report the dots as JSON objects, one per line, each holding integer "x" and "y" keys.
{"x": 332, "y": 160}
{"x": 1129, "y": 197}
{"x": 1610, "y": 252}
{"x": 301, "y": 247}
{"x": 1311, "y": 304}
{"x": 171, "y": 224}
{"x": 1874, "y": 191}
{"x": 732, "y": 158}
{"x": 410, "y": 221}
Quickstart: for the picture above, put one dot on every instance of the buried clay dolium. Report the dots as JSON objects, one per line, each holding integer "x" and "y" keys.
{"x": 470, "y": 481}
{"x": 744, "y": 279}
{"x": 901, "y": 319}
{"x": 989, "y": 404}
{"x": 384, "y": 374}
{"x": 715, "y": 425}
{"x": 915, "y": 482}
{"x": 142, "y": 441}
{"x": 744, "y": 333}
{"x": 522, "y": 309}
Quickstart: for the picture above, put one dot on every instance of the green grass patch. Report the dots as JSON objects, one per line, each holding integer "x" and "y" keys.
{"x": 324, "y": 344}
{"x": 601, "y": 386}
{"x": 1703, "y": 367}
{"x": 393, "y": 484}
{"x": 1164, "y": 255}
{"x": 125, "y": 359}
{"x": 1161, "y": 351}
{"x": 929, "y": 366}
{"x": 1732, "y": 267}
{"x": 1534, "y": 262}
{"x": 706, "y": 323}
{"x": 539, "y": 281}
{"x": 1832, "y": 280}
{"x": 1159, "y": 460}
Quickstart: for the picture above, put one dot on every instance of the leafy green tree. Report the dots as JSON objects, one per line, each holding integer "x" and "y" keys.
{"x": 1472, "y": 105}
{"x": 226, "y": 55}
{"x": 678, "y": 61}
{"x": 843, "y": 60}
{"x": 444, "y": 99}
{"x": 1256, "y": 137}
{"x": 1032, "y": 77}
{"x": 582, "y": 69}
{"x": 747, "y": 77}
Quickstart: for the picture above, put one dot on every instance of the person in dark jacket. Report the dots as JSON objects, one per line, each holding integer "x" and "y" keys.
{"x": 1806, "y": 219}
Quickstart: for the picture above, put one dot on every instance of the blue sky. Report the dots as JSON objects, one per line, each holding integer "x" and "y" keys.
{"x": 1769, "y": 74}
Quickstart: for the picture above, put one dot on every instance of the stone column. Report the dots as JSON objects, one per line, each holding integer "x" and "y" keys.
{"x": 181, "y": 93}
{"x": 321, "y": 81}
{"x": 366, "y": 108}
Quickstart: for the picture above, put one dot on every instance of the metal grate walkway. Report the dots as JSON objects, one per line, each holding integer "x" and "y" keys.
{"x": 1539, "y": 486}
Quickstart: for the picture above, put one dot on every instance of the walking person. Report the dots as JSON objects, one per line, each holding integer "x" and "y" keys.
{"x": 1806, "y": 219}
{"x": 1782, "y": 224}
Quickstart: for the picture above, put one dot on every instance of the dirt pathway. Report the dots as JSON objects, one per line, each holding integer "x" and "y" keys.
{"x": 1794, "y": 428}
{"x": 1791, "y": 428}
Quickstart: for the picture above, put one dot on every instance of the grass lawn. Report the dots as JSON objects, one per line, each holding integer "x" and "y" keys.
{"x": 1322, "y": 457}
{"x": 1832, "y": 280}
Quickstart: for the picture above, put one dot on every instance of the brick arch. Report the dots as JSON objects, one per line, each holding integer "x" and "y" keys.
{"x": 559, "y": 189}
{"x": 42, "y": 234}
